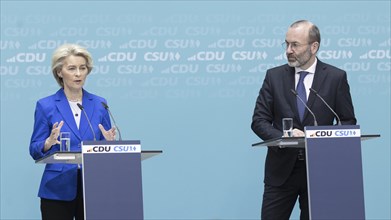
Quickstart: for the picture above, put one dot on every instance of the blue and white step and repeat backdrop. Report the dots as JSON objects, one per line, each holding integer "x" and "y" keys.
{"x": 182, "y": 77}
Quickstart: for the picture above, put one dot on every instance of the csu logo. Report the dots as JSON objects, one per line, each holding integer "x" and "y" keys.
{"x": 124, "y": 148}
{"x": 345, "y": 133}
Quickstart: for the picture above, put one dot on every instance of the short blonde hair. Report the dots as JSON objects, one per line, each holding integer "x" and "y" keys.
{"x": 65, "y": 51}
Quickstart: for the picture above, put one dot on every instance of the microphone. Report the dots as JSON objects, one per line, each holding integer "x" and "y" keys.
{"x": 88, "y": 120}
{"x": 112, "y": 118}
{"x": 328, "y": 106}
{"x": 305, "y": 105}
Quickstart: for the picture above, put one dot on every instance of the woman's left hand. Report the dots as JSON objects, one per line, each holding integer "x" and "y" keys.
{"x": 109, "y": 134}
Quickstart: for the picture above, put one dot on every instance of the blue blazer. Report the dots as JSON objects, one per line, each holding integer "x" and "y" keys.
{"x": 59, "y": 181}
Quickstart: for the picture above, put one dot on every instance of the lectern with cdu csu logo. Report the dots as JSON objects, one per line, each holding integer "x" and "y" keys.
{"x": 334, "y": 169}
{"x": 112, "y": 177}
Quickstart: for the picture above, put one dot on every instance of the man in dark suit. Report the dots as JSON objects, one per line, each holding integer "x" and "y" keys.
{"x": 285, "y": 169}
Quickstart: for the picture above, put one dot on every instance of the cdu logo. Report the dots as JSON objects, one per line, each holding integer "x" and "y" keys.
{"x": 323, "y": 133}
{"x": 319, "y": 133}
{"x": 100, "y": 149}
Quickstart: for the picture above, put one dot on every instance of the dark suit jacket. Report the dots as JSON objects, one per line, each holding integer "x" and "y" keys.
{"x": 59, "y": 181}
{"x": 276, "y": 101}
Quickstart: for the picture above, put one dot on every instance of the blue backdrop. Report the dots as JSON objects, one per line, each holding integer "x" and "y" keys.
{"x": 183, "y": 76}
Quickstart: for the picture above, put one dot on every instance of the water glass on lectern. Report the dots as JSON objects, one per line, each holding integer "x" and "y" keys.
{"x": 65, "y": 141}
{"x": 287, "y": 127}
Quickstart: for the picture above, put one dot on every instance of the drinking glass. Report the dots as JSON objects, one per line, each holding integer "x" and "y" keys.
{"x": 287, "y": 127}
{"x": 65, "y": 141}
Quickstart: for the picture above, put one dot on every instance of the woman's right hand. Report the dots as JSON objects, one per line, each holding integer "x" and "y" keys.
{"x": 53, "y": 138}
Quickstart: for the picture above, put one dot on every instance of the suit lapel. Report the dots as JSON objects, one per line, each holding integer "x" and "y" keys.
{"x": 319, "y": 77}
{"x": 65, "y": 110}
{"x": 289, "y": 82}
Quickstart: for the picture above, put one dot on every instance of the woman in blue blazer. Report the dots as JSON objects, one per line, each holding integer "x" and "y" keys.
{"x": 61, "y": 189}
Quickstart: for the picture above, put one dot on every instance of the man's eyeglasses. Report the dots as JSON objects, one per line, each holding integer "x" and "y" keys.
{"x": 293, "y": 45}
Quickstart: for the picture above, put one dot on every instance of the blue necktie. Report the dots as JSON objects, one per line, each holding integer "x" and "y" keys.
{"x": 300, "y": 89}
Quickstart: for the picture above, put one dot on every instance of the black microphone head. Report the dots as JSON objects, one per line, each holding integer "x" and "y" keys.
{"x": 80, "y": 106}
{"x": 294, "y": 92}
{"x": 105, "y": 105}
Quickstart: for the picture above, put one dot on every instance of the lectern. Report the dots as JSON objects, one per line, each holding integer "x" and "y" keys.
{"x": 112, "y": 178}
{"x": 334, "y": 169}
